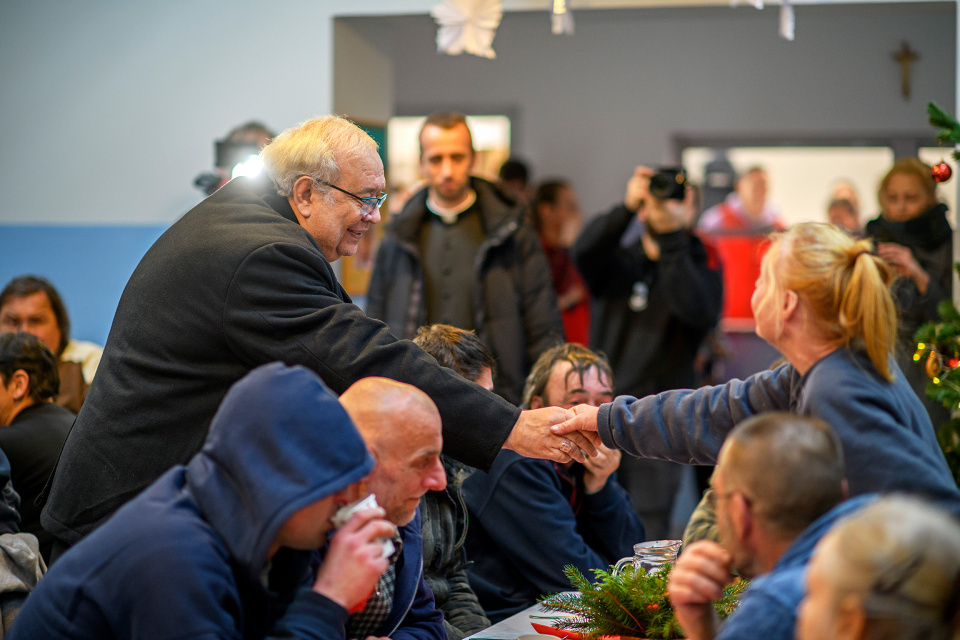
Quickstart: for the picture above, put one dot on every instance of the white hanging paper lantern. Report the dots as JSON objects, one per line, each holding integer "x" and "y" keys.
{"x": 787, "y": 21}
{"x": 467, "y": 26}
{"x": 561, "y": 19}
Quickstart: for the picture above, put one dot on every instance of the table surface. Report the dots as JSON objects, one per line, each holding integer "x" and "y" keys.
{"x": 518, "y": 624}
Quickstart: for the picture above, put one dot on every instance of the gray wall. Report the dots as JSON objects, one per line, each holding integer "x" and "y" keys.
{"x": 593, "y": 105}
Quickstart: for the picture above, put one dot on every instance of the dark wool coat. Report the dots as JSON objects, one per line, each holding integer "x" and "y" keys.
{"x": 235, "y": 283}
{"x": 515, "y": 310}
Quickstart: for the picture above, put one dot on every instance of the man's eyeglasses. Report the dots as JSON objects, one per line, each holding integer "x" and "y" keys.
{"x": 368, "y": 205}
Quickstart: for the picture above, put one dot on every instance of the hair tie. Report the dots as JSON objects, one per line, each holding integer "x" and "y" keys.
{"x": 860, "y": 253}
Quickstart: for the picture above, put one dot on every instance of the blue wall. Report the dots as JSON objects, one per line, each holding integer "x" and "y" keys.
{"x": 89, "y": 266}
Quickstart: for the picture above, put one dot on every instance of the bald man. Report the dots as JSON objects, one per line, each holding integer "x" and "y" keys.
{"x": 402, "y": 428}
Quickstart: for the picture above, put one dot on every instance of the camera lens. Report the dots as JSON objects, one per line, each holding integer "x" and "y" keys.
{"x": 659, "y": 186}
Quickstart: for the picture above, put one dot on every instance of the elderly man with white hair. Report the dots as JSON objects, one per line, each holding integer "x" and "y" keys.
{"x": 243, "y": 279}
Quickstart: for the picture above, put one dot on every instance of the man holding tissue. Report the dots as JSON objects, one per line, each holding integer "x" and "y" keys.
{"x": 402, "y": 428}
{"x": 223, "y": 546}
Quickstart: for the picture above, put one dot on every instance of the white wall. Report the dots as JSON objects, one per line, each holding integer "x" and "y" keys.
{"x": 593, "y": 105}
{"x": 110, "y": 108}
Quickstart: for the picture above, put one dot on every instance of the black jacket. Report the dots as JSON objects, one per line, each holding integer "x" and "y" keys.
{"x": 235, "y": 283}
{"x": 531, "y": 518}
{"x": 930, "y": 239}
{"x": 444, "y": 530}
{"x": 516, "y": 312}
{"x": 32, "y": 443}
{"x": 651, "y": 349}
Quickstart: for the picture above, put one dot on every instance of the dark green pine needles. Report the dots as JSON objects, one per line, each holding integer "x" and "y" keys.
{"x": 632, "y": 603}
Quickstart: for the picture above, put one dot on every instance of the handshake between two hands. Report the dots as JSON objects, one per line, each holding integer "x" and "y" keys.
{"x": 557, "y": 434}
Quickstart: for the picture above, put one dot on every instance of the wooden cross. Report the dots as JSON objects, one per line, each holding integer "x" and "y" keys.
{"x": 905, "y": 56}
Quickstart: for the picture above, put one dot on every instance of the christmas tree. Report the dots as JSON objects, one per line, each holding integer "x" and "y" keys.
{"x": 938, "y": 347}
{"x": 938, "y": 343}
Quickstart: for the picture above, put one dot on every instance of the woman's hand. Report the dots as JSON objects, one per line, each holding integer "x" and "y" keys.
{"x": 904, "y": 264}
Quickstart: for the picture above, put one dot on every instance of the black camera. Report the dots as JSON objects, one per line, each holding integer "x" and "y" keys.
{"x": 230, "y": 154}
{"x": 668, "y": 183}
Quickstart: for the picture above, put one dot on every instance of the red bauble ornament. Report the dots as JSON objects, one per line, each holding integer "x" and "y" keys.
{"x": 653, "y": 607}
{"x": 941, "y": 172}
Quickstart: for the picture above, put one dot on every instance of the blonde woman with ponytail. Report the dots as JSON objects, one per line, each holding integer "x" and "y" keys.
{"x": 823, "y": 300}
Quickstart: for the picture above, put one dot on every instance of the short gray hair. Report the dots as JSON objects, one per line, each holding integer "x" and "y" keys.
{"x": 315, "y": 148}
{"x": 789, "y": 466}
{"x": 901, "y": 558}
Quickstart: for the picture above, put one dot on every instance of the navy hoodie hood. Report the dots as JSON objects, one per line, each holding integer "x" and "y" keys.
{"x": 279, "y": 442}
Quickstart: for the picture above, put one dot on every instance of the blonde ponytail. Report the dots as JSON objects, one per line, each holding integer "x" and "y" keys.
{"x": 845, "y": 285}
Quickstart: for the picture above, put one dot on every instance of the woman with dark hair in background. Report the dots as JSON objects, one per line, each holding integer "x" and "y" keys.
{"x": 557, "y": 219}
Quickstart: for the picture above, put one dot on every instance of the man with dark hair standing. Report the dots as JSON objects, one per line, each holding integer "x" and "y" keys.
{"x": 243, "y": 279}
{"x": 778, "y": 487}
{"x": 32, "y": 427}
{"x": 461, "y": 253}
{"x": 32, "y": 304}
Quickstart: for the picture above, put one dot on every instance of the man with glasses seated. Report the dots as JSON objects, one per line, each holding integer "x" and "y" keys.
{"x": 243, "y": 279}
{"x": 461, "y": 253}
{"x": 778, "y": 488}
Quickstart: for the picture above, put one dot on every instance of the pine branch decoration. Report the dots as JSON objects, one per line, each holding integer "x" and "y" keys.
{"x": 632, "y": 603}
{"x": 948, "y": 125}
{"x": 938, "y": 350}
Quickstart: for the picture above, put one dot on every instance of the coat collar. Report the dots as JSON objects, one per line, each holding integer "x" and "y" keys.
{"x": 499, "y": 212}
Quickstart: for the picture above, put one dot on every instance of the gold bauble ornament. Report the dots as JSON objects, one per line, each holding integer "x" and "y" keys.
{"x": 933, "y": 365}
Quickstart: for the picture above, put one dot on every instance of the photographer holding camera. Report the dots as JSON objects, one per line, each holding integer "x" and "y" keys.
{"x": 657, "y": 291}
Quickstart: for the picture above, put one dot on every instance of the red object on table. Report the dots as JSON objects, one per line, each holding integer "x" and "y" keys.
{"x": 565, "y": 633}
{"x": 560, "y": 633}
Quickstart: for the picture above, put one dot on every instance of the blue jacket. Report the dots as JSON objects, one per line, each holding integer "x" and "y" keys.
{"x": 889, "y": 444}
{"x": 414, "y": 615}
{"x": 529, "y": 519}
{"x": 184, "y": 559}
{"x": 768, "y": 607}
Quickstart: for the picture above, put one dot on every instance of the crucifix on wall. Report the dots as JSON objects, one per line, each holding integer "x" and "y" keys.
{"x": 905, "y": 56}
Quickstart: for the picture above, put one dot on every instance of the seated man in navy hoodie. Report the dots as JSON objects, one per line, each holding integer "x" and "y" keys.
{"x": 222, "y": 547}
{"x": 401, "y": 426}
{"x": 530, "y": 518}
